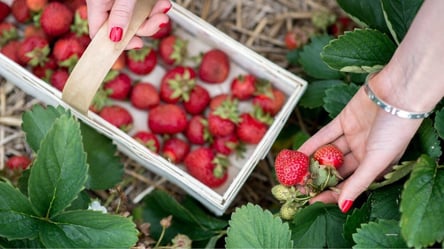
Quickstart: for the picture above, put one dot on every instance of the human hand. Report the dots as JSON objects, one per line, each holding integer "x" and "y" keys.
{"x": 371, "y": 140}
{"x": 119, "y": 14}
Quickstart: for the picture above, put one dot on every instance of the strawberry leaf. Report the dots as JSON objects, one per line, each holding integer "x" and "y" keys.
{"x": 89, "y": 229}
{"x": 439, "y": 123}
{"x": 399, "y": 15}
{"x": 16, "y": 219}
{"x": 319, "y": 225}
{"x": 425, "y": 141}
{"x": 310, "y": 59}
{"x": 354, "y": 221}
{"x": 384, "y": 202}
{"x": 106, "y": 168}
{"x": 421, "y": 202}
{"x": 359, "y": 51}
{"x": 59, "y": 171}
{"x": 337, "y": 97}
{"x": 366, "y": 13}
{"x": 398, "y": 172}
{"x": 313, "y": 96}
{"x": 381, "y": 234}
{"x": 253, "y": 227}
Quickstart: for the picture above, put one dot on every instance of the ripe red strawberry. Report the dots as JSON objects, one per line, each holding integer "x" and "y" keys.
{"x": 144, "y": 96}
{"x": 120, "y": 63}
{"x": 173, "y": 50}
{"x": 243, "y": 86}
{"x": 8, "y": 32}
{"x": 227, "y": 145}
{"x": 33, "y": 51}
{"x": 175, "y": 149}
{"x": 165, "y": 30}
{"x": 197, "y": 130}
{"x": 270, "y": 102}
{"x": 118, "y": 116}
{"x": 207, "y": 167}
{"x": 222, "y": 121}
{"x": 56, "y": 19}
{"x": 67, "y": 52}
{"x": 73, "y": 4}
{"x": 58, "y": 78}
{"x": 148, "y": 139}
{"x": 214, "y": 67}
{"x": 167, "y": 119}
{"x": 118, "y": 85}
{"x": 292, "y": 167}
{"x": 10, "y": 51}
{"x": 217, "y": 100}
{"x": 141, "y": 61}
{"x": 329, "y": 155}
{"x": 177, "y": 83}
{"x": 250, "y": 130}
{"x": 18, "y": 162}
{"x": 5, "y": 10}
{"x": 36, "y": 5}
{"x": 198, "y": 100}
{"x": 20, "y": 11}
{"x": 34, "y": 30}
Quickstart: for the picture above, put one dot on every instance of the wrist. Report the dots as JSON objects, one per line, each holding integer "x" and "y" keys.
{"x": 407, "y": 93}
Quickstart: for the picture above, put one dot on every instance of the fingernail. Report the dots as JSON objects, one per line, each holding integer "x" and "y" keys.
{"x": 115, "y": 34}
{"x": 166, "y": 9}
{"x": 346, "y": 205}
{"x": 162, "y": 25}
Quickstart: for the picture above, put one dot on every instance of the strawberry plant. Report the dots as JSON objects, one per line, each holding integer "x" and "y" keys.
{"x": 47, "y": 210}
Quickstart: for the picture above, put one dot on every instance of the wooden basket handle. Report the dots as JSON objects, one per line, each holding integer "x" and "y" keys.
{"x": 98, "y": 58}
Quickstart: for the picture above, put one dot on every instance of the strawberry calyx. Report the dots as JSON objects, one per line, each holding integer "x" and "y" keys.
{"x": 139, "y": 54}
{"x": 264, "y": 117}
{"x": 180, "y": 51}
{"x": 228, "y": 110}
{"x": 264, "y": 87}
{"x": 221, "y": 164}
{"x": 39, "y": 56}
{"x": 80, "y": 23}
{"x": 182, "y": 85}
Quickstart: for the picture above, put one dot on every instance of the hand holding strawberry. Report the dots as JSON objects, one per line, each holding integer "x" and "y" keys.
{"x": 302, "y": 177}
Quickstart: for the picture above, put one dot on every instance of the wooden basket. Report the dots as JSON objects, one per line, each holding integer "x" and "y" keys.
{"x": 92, "y": 67}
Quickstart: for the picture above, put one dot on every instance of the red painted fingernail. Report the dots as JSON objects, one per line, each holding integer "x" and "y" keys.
{"x": 346, "y": 205}
{"x": 115, "y": 34}
{"x": 166, "y": 9}
{"x": 162, "y": 25}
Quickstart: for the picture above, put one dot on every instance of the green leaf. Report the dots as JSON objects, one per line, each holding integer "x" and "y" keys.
{"x": 188, "y": 219}
{"x": 319, "y": 225}
{"x": 22, "y": 243}
{"x": 311, "y": 62}
{"x": 253, "y": 227}
{"x": 421, "y": 204}
{"x": 439, "y": 123}
{"x": 37, "y": 122}
{"x": 105, "y": 167}
{"x": 399, "y": 14}
{"x": 366, "y": 13}
{"x": 359, "y": 51}
{"x": 398, "y": 172}
{"x": 357, "y": 217}
{"x": 381, "y": 234}
{"x": 59, "y": 171}
{"x": 337, "y": 97}
{"x": 299, "y": 138}
{"x": 16, "y": 214}
{"x": 384, "y": 202}
{"x": 88, "y": 229}
{"x": 425, "y": 141}
{"x": 313, "y": 96}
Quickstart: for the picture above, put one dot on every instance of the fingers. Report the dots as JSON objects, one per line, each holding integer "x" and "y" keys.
{"x": 119, "y": 13}
{"x": 326, "y": 135}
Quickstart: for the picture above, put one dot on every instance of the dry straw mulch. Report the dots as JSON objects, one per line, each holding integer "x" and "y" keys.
{"x": 259, "y": 24}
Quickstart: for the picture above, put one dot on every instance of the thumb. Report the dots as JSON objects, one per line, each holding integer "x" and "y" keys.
{"x": 119, "y": 18}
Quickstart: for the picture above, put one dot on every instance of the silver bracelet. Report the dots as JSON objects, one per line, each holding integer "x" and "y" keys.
{"x": 391, "y": 109}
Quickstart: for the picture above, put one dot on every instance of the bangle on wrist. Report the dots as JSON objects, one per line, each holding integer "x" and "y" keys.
{"x": 389, "y": 108}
